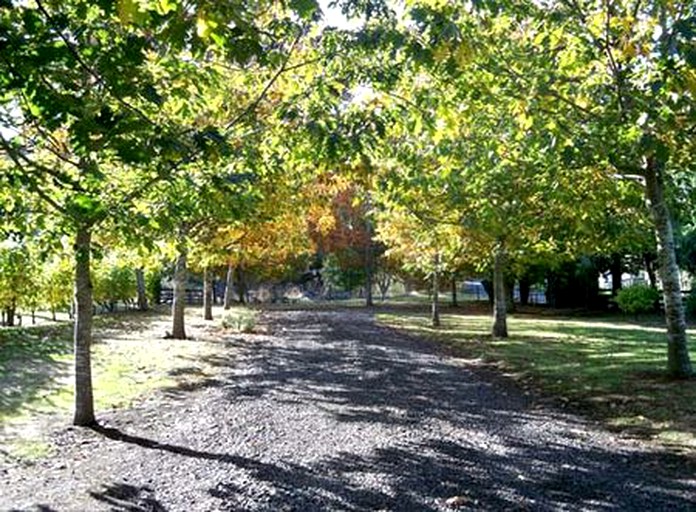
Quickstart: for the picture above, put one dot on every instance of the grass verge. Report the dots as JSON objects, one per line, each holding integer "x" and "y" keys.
{"x": 610, "y": 370}
{"x": 130, "y": 359}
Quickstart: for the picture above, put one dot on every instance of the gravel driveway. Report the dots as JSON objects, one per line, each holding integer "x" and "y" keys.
{"x": 330, "y": 412}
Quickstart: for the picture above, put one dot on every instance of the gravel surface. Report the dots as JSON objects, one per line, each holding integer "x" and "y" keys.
{"x": 327, "y": 411}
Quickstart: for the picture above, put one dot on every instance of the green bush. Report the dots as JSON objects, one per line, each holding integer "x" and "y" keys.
{"x": 240, "y": 320}
{"x": 638, "y": 299}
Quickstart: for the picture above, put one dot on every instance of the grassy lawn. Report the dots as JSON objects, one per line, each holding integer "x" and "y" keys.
{"x": 610, "y": 369}
{"x": 130, "y": 360}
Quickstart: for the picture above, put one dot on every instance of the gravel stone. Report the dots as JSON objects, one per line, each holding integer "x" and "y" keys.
{"x": 329, "y": 411}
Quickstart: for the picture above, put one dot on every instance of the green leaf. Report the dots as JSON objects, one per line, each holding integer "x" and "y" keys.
{"x": 305, "y": 9}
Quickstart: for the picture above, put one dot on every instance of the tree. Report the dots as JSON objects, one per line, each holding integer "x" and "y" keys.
{"x": 641, "y": 96}
{"x": 101, "y": 102}
{"x": 17, "y": 279}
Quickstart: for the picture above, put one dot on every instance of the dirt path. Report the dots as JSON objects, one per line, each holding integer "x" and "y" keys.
{"x": 330, "y": 412}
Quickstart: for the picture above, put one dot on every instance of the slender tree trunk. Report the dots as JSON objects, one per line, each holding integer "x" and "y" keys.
{"x": 10, "y": 316}
{"x": 240, "y": 284}
{"x": 179, "y": 301}
{"x": 650, "y": 269}
{"x": 489, "y": 289}
{"x": 678, "y": 362}
{"x": 455, "y": 302}
{"x": 142, "y": 293}
{"x": 435, "y": 307}
{"x": 369, "y": 302}
{"x": 616, "y": 272}
{"x": 510, "y": 305}
{"x": 84, "y": 399}
{"x": 229, "y": 287}
{"x": 53, "y": 314}
{"x": 499, "y": 296}
{"x": 525, "y": 286}
{"x": 207, "y": 294}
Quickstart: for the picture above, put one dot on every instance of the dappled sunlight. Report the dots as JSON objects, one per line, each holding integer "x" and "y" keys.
{"x": 614, "y": 368}
{"x": 130, "y": 360}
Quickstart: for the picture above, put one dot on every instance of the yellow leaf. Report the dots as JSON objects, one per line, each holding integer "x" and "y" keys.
{"x": 464, "y": 55}
{"x": 127, "y": 10}
{"x": 202, "y": 27}
{"x": 442, "y": 52}
{"x": 690, "y": 77}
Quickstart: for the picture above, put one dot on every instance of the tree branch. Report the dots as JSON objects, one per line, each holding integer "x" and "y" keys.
{"x": 90, "y": 70}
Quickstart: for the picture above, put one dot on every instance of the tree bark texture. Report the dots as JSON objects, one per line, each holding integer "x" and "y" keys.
{"x": 140, "y": 284}
{"x": 207, "y": 294}
{"x": 84, "y": 398}
{"x": 229, "y": 287}
{"x": 179, "y": 302}
{"x": 678, "y": 361}
{"x": 499, "y": 296}
{"x": 435, "y": 307}
{"x": 455, "y": 302}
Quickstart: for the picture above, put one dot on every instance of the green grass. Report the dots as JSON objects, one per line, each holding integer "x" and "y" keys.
{"x": 130, "y": 359}
{"x": 610, "y": 369}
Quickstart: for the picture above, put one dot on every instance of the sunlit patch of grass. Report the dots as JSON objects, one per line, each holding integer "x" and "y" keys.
{"x": 30, "y": 450}
{"x": 612, "y": 370}
{"x": 130, "y": 359}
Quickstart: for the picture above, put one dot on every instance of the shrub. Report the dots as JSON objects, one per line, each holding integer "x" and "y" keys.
{"x": 240, "y": 320}
{"x": 638, "y": 299}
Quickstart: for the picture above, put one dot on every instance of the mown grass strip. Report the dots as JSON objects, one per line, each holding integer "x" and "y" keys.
{"x": 611, "y": 370}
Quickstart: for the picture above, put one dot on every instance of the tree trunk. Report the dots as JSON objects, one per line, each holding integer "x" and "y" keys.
{"x": 369, "y": 302}
{"x": 142, "y": 293}
{"x": 525, "y": 287}
{"x": 455, "y": 303}
{"x": 489, "y": 289}
{"x": 616, "y": 270}
{"x": 499, "y": 295}
{"x": 179, "y": 301}
{"x": 510, "y": 294}
{"x": 678, "y": 362}
{"x": 240, "y": 284}
{"x": 84, "y": 399}
{"x": 229, "y": 287}
{"x": 650, "y": 269}
{"x": 10, "y": 316}
{"x": 435, "y": 308}
{"x": 207, "y": 294}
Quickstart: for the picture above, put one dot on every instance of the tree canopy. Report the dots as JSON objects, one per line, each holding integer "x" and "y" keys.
{"x": 484, "y": 137}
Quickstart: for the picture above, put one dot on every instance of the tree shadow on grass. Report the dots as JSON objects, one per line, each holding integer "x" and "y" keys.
{"x": 31, "y": 362}
{"x": 611, "y": 372}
